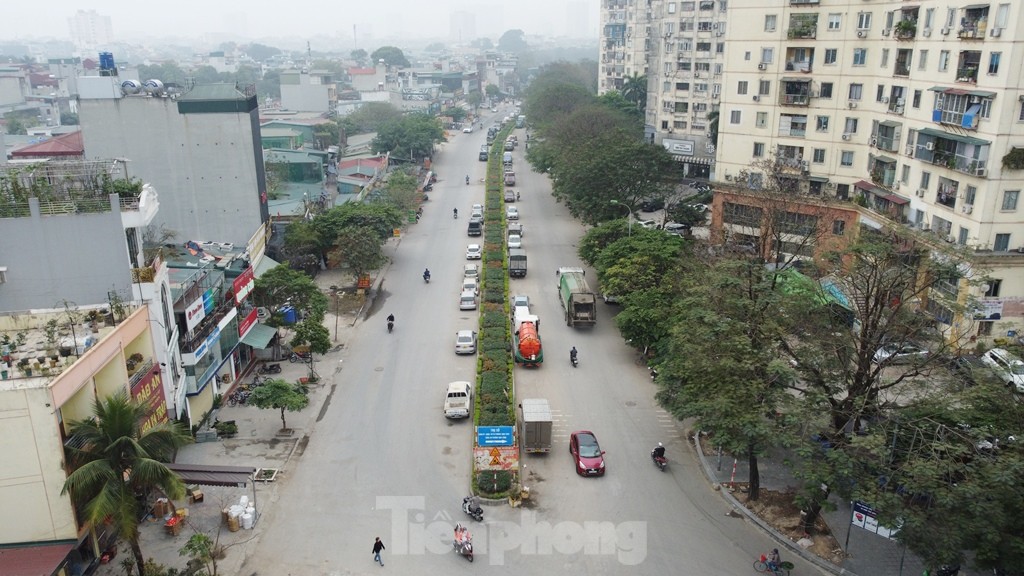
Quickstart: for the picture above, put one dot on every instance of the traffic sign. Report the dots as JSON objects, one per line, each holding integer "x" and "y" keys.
{"x": 495, "y": 435}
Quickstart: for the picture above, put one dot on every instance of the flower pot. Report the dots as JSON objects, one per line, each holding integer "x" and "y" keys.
{"x": 3, "y": 374}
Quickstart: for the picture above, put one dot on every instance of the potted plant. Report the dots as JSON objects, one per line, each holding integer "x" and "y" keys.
{"x": 906, "y": 28}
{"x": 52, "y": 332}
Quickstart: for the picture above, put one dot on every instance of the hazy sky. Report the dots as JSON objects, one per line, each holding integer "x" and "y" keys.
{"x": 264, "y": 18}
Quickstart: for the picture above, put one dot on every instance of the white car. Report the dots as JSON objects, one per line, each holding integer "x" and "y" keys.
{"x": 478, "y": 208}
{"x": 467, "y": 300}
{"x": 471, "y": 271}
{"x": 518, "y": 301}
{"x": 512, "y": 213}
{"x": 515, "y": 241}
{"x": 465, "y": 342}
{"x": 649, "y": 224}
{"x": 895, "y": 353}
{"x": 470, "y": 285}
{"x": 474, "y": 252}
{"x": 468, "y": 129}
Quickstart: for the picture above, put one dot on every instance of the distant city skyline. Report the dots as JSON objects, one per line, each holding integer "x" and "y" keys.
{"x": 265, "y": 20}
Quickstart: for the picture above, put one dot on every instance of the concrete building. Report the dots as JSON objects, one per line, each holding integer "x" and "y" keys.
{"x": 90, "y": 30}
{"x": 624, "y": 43}
{"x": 199, "y": 145}
{"x": 308, "y": 91}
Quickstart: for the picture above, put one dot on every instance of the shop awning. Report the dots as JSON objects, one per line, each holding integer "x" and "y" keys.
{"x": 207, "y": 475}
{"x": 963, "y": 91}
{"x": 886, "y": 159}
{"x": 259, "y": 336}
{"x": 703, "y": 160}
{"x": 894, "y": 198}
{"x": 821, "y": 179}
{"x": 950, "y": 136}
{"x": 266, "y": 263}
{"x": 35, "y": 560}
{"x": 796, "y": 79}
{"x": 865, "y": 185}
{"x": 889, "y": 123}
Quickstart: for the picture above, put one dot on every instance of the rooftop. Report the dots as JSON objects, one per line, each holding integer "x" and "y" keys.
{"x": 66, "y": 187}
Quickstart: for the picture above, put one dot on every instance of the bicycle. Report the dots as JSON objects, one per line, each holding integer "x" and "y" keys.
{"x": 782, "y": 569}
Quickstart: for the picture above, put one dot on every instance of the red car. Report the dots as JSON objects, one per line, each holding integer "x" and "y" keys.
{"x": 586, "y": 453}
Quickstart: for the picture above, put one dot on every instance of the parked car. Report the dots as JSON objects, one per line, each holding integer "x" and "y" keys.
{"x": 471, "y": 271}
{"x": 677, "y": 229}
{"x": 586, "y": 453}
{"x": 1006, "y": 366}
{"x": 465, "y": 342}
{"x": 900, "y": 353}
{"x": 520, "y": 300}
{"x": 468, "y": 129}
{"x": 512, "y": 213}
{"x": 652, "y": 205}
{"x": 467, "y": 300}
{"x": 471, "y": 285}
{"x": 483, "y": 155}
{"x": 515, "y": 241}
{"x": 474, "y": 252}
{"x": 649, "y": 224}
{"x": 610, "y": 298}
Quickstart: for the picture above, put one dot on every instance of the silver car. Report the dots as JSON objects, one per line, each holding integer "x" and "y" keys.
{"x": 465, "y": 342}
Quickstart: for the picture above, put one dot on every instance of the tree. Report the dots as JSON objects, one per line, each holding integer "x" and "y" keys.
{"x": 269, "y": 84}
{"x": 474, "y": 98}
{"x": 369, "y": 117}
{"x": 326, "y": 134}
{"x": 359, "y": 55}
{"x": 282, "y": 286}
{"x": 634, "y": 89}
{"x": 279, "y": 395}
{"x": 16, "y": 126}
{"x": 615, "y": 101}
{"x": 68, "y": 119}
{"x": 115, "y": 462}
{"x": 513, "y": 41}
{"x": 202, "y": 548}
{"x": 553, "y": 99}
{"x": 411, "y": 137}
{"x": 492, "y": 91}
{"x": 391, "y": 56}
{"x": 261, "y": 52}
{"x": 360, "y": 248}
{"x": 401, "y": 191}
{"x": 381, "y": 217}
{"x": 312, "y": 334}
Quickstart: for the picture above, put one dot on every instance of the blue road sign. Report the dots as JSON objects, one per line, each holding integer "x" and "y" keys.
{"x": 494, "y": 435}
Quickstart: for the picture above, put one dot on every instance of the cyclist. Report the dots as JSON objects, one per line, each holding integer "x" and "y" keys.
{"x": 773, "y": 560}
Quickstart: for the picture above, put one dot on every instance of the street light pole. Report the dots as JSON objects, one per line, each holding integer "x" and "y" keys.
{"x": 629, "y": 216}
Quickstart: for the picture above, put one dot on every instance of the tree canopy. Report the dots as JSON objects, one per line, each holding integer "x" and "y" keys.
{"x": 391, "y": 55}
{"x": 279, "y": 395}
{"x": 369, "y": 117}
{"x": 513, "y": 41}
{"x": 411, "y": 137}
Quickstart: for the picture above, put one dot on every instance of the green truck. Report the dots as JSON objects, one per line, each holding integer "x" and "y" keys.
{"x": 578, "y": 300}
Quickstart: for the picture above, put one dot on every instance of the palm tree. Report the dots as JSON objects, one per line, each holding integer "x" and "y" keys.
{"x": 634, "y": 89}
{"x": 116, "y": 464}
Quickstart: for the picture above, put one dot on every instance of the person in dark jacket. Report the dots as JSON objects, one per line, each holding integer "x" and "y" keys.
{"x": 378, "y": 547}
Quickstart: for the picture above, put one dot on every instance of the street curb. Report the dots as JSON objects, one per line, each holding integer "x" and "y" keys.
{"x": 775, "y": 534}
{"x": 372, "y": 294}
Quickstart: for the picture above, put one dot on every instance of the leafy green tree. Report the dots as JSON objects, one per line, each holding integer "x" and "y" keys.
{"x": 581, "y": 73}
{"x": 359, "y": 55}
{"x": 492, "y": 91}
{"x": 203, "y": 549}
{"x": 302, "y": 245}
{"x": 207, "y": 75}
{"x": 474, "y": 98}
{"x": 312, "y": 334}
{"x": 564, "y": 133}
{"x": 457, "y": 113}
{"x": 411, "y": 137}
{"x": 16, "y": 126}
{"x": 554, "y": 99}
{"x": 401, "y": 191}
{"x": 713, "y": 125}
{"x": 600, "y": 237}
{"x": 282, "y": 286}
{"x": 279, "y": 395}
{"x": 616, "y": 101}
{"x": 326, "y": 134}
{"x": 381, "y": 218}
{"x": 69, "y": 119}
{"x": 269, "y": 84}
{"x": 261, "y": 52}
{"x": 166, "y": 71}
{"x": 115, "y": 461}
{"x": 360, "y": 249}
{"x": 391, "y": 55}
{"x": 634, "y": 89}
{"x": 369, "y": 117}
{"x": 513, "y": 41}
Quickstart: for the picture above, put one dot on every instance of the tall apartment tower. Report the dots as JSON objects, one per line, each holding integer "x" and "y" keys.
{"x": 625, "y": 25}
{"x": 90, "y": 30}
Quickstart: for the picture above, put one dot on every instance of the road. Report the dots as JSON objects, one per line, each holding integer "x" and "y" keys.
{"x": 383, "y": 461}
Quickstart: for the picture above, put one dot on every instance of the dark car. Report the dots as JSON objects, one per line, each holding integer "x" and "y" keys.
{"x": 967, "y": 368}
{"x": 652, "y": 205}
{"x": 483, "y": 156}
{"x": 586, "y": 453}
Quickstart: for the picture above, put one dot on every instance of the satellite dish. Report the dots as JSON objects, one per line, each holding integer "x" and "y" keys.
{"x": 131, "y": 87}
{"x": 153, "y": 87}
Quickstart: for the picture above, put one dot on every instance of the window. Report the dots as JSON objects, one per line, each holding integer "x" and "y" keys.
{"x": 905, "y": 175}
{"x": 943, "y": 60}
{"x": 993, "y": 284}
{"x": 762, "y": 119}
{"x": 929, "y": 18}
{"x": 838, "y": 227}
{"x": 950, "y": 17}
{"x": 922, "y": 62}
{"x": 758, "y": 149}
{"x": 741, "y": 87}
{"x": 985, "y": 328}
{"x": 764, "y": 87}
{"x": 879, "y": 92}
{"x": 767, "y": 55}
{"x": 1010, "y": 200}
{"x": 835, "y": 21}
{"x": 679, "y": 124}
{"x": 885, "y": 57}
{"x": 755, "y": 181}
{"x": 746, "y": 56}
{"x": 735, "y": 116}
{"x": 889, "y": 16}
{"x": 846, "y": 159}
{"x": 723, "y": 5}
{"x": 770, "y": 22}
{"x": 961, "y": 237}
{"x": 856, "y": 91}
{"x": 821, "y": 123}
{"x": 916, "y": 102}
{"x": 664, "y": 124}
{"x": 993, "y": 62}
{"x": 671, "y": 7}
{"x": 1020, "y": 115}
{"x": 687, "y": 6}
{"x": 851, "y": 126}
{"x": 1001, "y": 15}
{"x": 1002, "y": 243}
{"x": 860, "y": 56}
{"x": 926, "y": 179}
{"x": 720, "y": 49}
{"x": 864, "y": 21}
{"x": 683, "y": 86}
{"x": 818, "y": 156}
{"x": 826, "y": 90}
{"x": 969, "y": 196}
{"x": 830, "y": 55}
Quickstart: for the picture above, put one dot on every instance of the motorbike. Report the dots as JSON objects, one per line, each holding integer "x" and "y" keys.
{"x": 467, "y": 180}
{"x": 463, "y": 542}
{"x": 300, "y": 357}
{"x": 391, "y": 326}
{"x": 469, "y": 506}
{"x": 455, "y": 214}
{"x": 428, "y": 188}
{"x": 426, "y": 278}
{"x": 426, "y": 198}
{"x": 574, "y": 360}
{"x": 270, "y": 369}
{"x": 660, "y": 461}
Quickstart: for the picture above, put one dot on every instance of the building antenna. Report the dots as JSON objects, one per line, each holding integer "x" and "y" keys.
{"x": 309, "y": 54}
{"x": 355, "y": 40}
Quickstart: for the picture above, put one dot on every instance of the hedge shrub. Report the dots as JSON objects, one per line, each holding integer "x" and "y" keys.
{"x": 494, "y": 481}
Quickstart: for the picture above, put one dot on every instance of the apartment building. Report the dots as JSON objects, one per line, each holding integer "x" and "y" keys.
{"x": 911, "y": 110}
{"x": 624, "y": 43}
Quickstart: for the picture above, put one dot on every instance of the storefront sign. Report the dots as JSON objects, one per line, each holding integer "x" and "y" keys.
{"x": 149, "y": 392}
{"x": 194, "y": 314}
{"x": 203, "y": 348}
{"x": 866, "y": 517}
{"x": 679, "y": 147}
{"x": 247, "y": 323}
{"x": 243, "y": 285}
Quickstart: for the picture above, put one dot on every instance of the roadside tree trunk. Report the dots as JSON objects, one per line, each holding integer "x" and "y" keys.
{"x": 754, "y": 474}
{"x": 140, "y": 562}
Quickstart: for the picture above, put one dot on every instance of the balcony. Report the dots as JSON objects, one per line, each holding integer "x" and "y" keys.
{"x": 968, "y": 74}
{"x": 972, "y": 30}
{"x": 946, "y": 196}
{"x": 905, "y": 30}
{"x": 802, "y": 33}
{"x": 901, "y": 69}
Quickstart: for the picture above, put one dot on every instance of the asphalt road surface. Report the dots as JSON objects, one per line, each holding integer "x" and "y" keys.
{"x": 383, "y": 460}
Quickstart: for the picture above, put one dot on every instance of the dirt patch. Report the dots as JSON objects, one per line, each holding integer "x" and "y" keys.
{"x": 780, "y": 510}
{"x": 349, "y": 301}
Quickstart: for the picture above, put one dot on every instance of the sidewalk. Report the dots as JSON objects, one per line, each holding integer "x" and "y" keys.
{"x": 866, "y": 554}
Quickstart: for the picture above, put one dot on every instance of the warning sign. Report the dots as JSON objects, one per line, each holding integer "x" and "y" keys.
{"x": 496, "y": 457}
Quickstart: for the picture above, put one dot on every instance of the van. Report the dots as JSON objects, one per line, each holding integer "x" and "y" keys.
{"x": 1006, "y": 366}
{"x": 457, "y": 400}
{"x": 467, "y": 300}
{"x": 507, "y": 159}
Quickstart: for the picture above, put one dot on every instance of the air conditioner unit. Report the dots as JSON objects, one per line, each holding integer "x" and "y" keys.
{"x": 885, "y": 32}
{"x": 814, "y": 94}
{"x": 929, "y": 146}
{"x": 968, "y": 208}
{"x": 862, "y": 33}
{"x": 885, "y": 99}
{"x": 872, "y": 141}
{"x": 909, "y": 151}
{"x": 926, "y": 227}
{"x": 728, "y": 177}
{"x": 756, "y": 98}
{"x": 896, "y": 185}
{"x": 762, "y": 66}
{"x": 719, "y": 33}
{"x": 846, "y": 136}
{"x": 926, "y": 32}
{"x": 995, "y": 32}
{"x": 981, "y": 172}
{"x": 852, "y": 104}
{"x": 951, "y": 239}
{"x": 920, "y": 192}
{"x": 714, "y": 26}
{"x": 944, "y": 31}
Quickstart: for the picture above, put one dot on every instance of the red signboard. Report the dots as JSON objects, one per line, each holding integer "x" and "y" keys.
{"x": 243, "y": 285}
{"x": 149, "y": 392}
{"x": 248, "y": 322}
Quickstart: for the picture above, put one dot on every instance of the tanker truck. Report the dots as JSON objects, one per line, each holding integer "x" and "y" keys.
{"x": 527, "y": 349}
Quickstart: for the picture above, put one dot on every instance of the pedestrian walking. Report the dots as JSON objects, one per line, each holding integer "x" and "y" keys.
{"x": 378, "y": 547}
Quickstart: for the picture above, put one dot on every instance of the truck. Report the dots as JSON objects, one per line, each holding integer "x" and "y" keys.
{"x": 510, "y": 178}
{"x": 457, "y": 399}
{"x": 516, "y": 263}
{"x": 526, "y": 346}
{"x": 578, "y": 300}
{"x": 535, "y": 425}
{"x": 520, "y": 121}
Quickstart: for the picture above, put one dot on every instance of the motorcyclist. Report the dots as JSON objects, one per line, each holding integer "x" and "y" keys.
{"x": 658, "y": 452}
{"x": 572, "y": 355}
{"x": 467, "y": 179}
{"x": 455, "y": 212}
{"x": 426, "y": 274}
{"x": 391, "y": 322}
